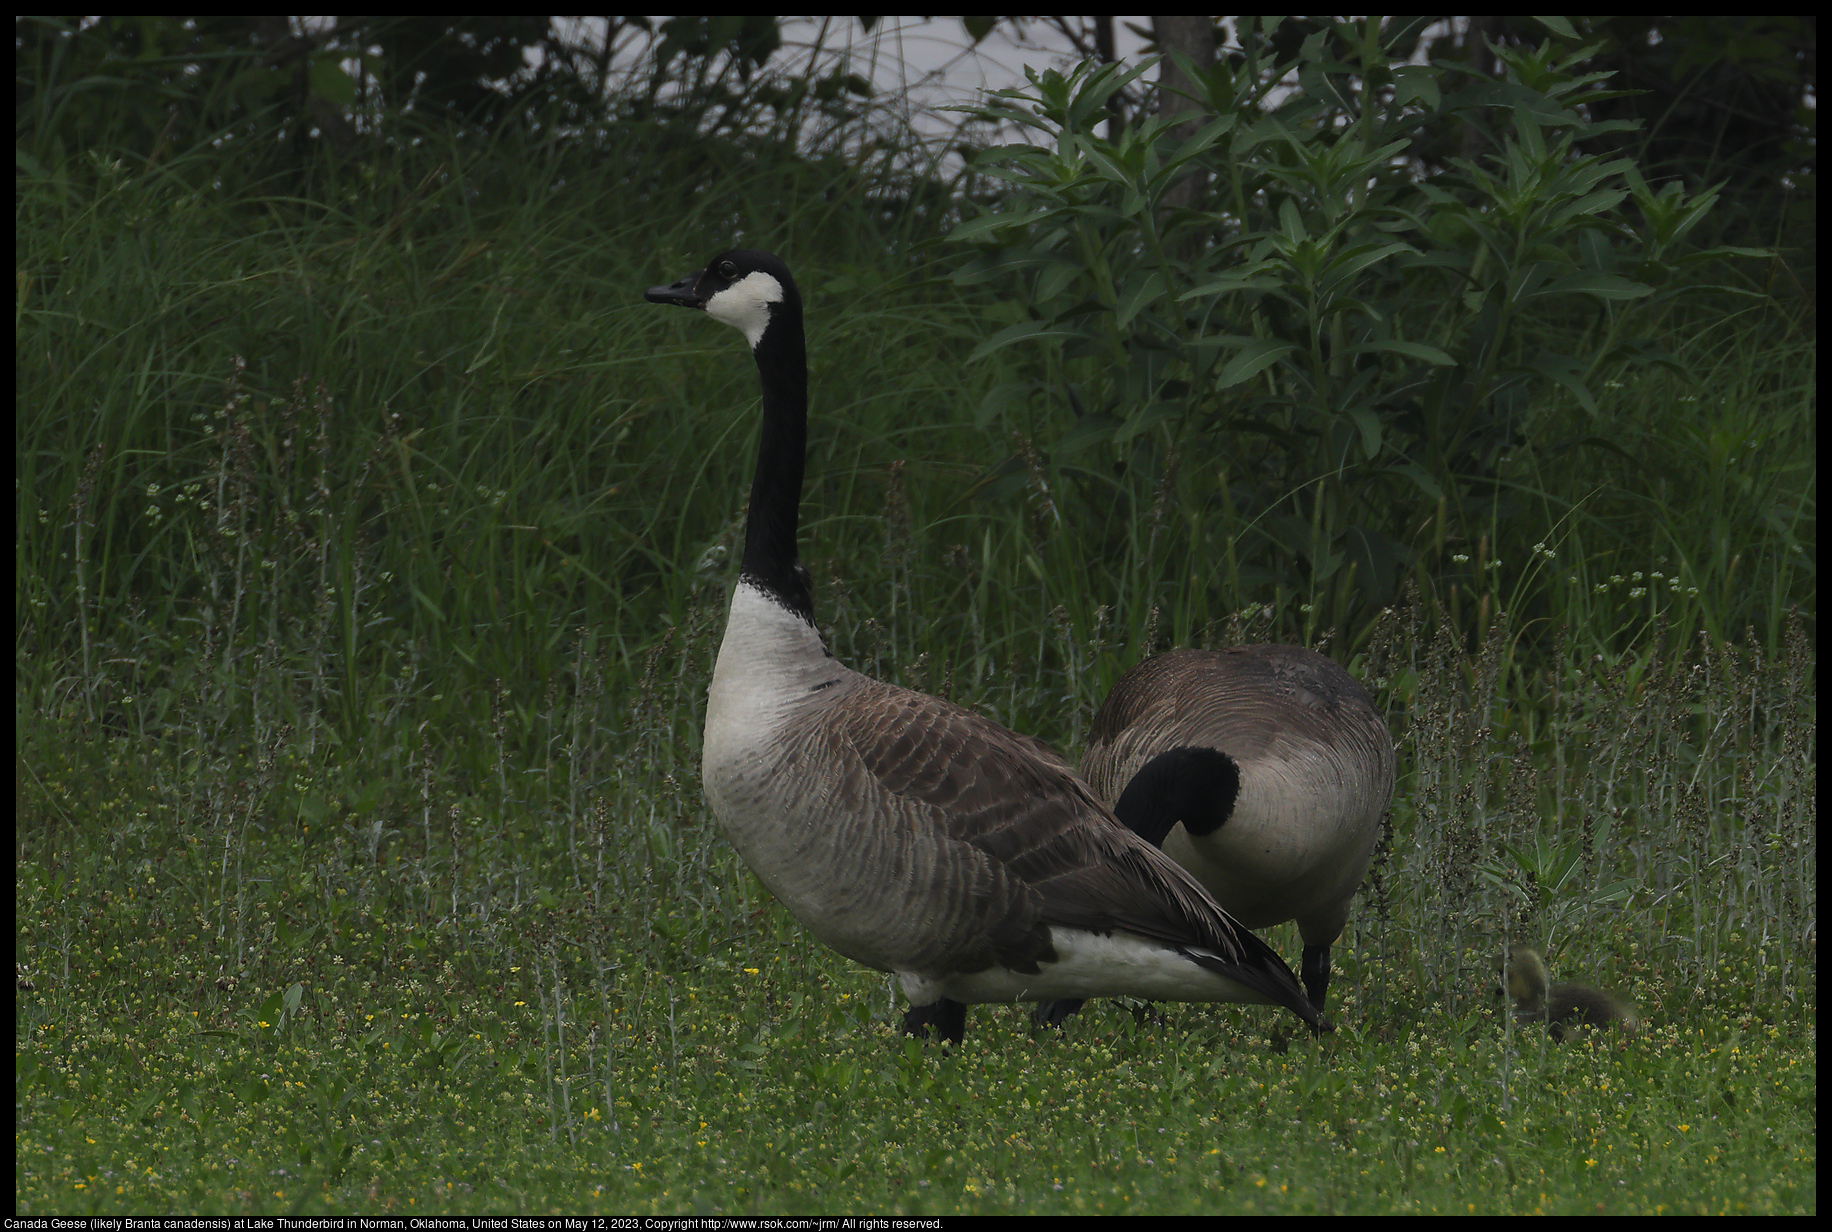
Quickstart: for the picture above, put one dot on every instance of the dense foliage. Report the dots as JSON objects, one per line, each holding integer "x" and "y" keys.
{"x": 1335, "y": 373}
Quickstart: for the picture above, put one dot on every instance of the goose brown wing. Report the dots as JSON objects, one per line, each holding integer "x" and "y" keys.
{"x": 1020, "y": 843}
{"x": 1131, "y": 886}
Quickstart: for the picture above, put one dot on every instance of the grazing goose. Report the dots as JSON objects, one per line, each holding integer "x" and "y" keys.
{"x": 1263, "y": 770}
{"x": 1561, "y": 1006}
{"x": 909, "y": 834}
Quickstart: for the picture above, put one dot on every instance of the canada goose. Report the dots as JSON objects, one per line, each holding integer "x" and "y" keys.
{"x": 1263, "y": 770}
{"x": 1561, "y": 1006}
{"x": 909, "y": 834}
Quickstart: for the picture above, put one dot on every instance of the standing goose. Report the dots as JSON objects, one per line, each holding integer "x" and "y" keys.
{"x": 909, "y": 834}
{"x": 1263, "y": 770}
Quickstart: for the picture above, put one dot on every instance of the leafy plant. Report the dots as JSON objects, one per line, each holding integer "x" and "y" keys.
{"x": 1321, "y": 366}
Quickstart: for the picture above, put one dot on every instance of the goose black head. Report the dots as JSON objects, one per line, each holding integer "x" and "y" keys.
{"x": 1194, "y": 785}
{"x": 743, "y": 287}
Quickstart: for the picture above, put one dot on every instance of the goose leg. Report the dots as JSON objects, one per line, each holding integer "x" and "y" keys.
{"x": 944, "y": 1020}
{"x": 1316, "y": 974}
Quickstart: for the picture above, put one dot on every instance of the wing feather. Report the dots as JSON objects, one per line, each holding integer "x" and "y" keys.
{"x": 1019, "y": 843}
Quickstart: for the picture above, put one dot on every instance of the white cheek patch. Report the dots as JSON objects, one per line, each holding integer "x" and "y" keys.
{"x": 745, "y": 304}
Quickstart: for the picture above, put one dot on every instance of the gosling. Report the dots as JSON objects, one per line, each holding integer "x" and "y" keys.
{"x": 1562, "y": 1007}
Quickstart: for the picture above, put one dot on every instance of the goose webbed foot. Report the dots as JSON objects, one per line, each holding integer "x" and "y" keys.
{"x": 942, "y": 1020}
{"x": 1055, "y": 1013}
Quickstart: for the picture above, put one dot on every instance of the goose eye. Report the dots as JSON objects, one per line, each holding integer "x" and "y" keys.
{"x": 728, "y": 269}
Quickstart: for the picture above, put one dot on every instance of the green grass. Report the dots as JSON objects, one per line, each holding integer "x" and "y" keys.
{"x": 303, "y": 1039}
{"x": 372, "y": 559}
{"x": 254, "y": 994}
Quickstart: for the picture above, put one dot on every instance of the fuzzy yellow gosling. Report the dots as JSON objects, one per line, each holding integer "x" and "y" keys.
{"x": 1562, "y": 1007}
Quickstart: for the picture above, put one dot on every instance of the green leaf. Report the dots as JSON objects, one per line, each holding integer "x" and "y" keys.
{"x": 1001, "y": 396}
{"x": 1197, "y": 142}
{"x": 1251, "y": 277}
{"x": 986, "y": 224}
{"x": 1560, "y": 26}
{"x": 1254, "y": 358}
{"x": 329, "y": 80}
{"x": 1396, "y": 346}
{"x": 1291, "y": 221}
{"x": 1054, "y": 279}
{"x": 1147, "y": 419}
{"x": 1368, "y": 423}
{"x": 1593, "y": 283}
{"x": 1353, "y": 260}
{"x": 1420, "y": 477}
{"x": 1589, "y": 205}
{"x": 1089, "y": 430}
{"x": 1565, "y": 371}
{"x": 1140, "y": 294}
{"x": 1025, "y": 331}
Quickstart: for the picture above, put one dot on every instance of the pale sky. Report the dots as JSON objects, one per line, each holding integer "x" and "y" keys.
{"x": 930, "y": 60}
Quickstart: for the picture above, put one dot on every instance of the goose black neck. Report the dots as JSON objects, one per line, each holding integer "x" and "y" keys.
{"x": 1194, "y": 785}
{"x": 770, "y": 557}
